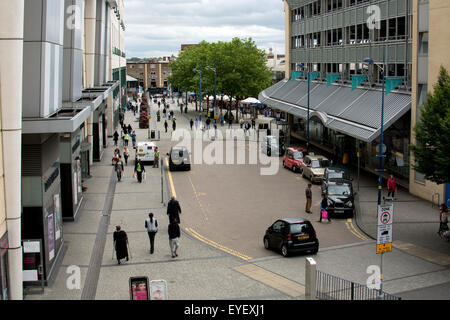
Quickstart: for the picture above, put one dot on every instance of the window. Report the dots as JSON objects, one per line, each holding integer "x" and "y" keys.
{"x": 423, "y": 43}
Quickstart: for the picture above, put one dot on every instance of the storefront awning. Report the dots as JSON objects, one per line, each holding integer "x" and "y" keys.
{"x": 64, "y": 120}
{"x": 356, "y": 113}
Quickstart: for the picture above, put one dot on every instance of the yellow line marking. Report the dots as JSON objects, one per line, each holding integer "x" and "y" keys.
{"x": 172, "y": 188}
{"x": 353, "y": 230}
{"x": 216, "y": 245}
{"x": 424, "y": 253}
{"x": 271, "y": 279}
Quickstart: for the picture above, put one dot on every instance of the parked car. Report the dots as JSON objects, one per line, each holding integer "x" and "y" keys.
{"x": 340, "y": 198}
{"x": 272, "y": 146}
{"x": 335, "y": 174}
{"x": 291, "y": 235}
{"x": 179, "y": 157}
{"x": 145, "y": 151}
{"x": 313, "y": 167}
{"x": 293, "y": 158}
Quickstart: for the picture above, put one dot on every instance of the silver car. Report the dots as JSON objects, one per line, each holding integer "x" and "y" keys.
{"x": 179, "y": 157}
{"x": 313, "y": 167}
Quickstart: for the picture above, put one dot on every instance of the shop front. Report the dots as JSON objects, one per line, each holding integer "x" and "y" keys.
{"x": 99, "y": 132}
{"x": 4, "y": 279}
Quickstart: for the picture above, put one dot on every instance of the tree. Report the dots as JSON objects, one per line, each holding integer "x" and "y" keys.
{"x": 431, "y": 152}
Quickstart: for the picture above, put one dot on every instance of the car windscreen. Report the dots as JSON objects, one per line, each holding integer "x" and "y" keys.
{"x": 342, "y": 190}
{"x": 298, "y": 155}
{"x": 336, "y": 174}
{"x": 300, "y": 228}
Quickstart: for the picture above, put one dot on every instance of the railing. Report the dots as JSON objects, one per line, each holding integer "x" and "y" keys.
{"x": 330, "y": 287}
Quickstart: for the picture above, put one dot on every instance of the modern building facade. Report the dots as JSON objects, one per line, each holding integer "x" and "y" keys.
{"x": 430, "y": 51}
{"x": 333, "y": 38}
{"x": 59, "y": 61}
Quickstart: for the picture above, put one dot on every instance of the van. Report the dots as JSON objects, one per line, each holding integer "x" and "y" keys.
{"x": 145, "y": 151}
{"x": 179, "y": 157}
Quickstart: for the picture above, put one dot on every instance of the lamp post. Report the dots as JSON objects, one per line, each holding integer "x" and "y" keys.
{"x": 307, "y": 112}
{"x": 381, "y": 148}
{"x": 199, "y": 70}
{"x": 215, "y": 84}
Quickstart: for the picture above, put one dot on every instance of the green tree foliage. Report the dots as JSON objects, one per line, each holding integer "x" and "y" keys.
{"x": 240, "y": 66}
{"x": 431, "y": 152}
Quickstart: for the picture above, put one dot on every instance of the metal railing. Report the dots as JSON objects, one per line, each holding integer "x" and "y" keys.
{"x": 330, "y": 287}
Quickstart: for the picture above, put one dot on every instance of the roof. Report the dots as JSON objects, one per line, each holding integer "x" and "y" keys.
{"x": 353, "y": 112}
{"x": 131, "y": 79}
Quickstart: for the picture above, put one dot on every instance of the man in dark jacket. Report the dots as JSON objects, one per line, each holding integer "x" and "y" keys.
{"x": 174, "y": 209}
{"x": 174, "y": 237}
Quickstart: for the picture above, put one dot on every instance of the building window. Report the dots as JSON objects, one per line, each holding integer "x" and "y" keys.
{"x": 423, "y": 43}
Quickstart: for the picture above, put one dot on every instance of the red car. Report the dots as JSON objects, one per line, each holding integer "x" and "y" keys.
{"x": 293, "y": 158}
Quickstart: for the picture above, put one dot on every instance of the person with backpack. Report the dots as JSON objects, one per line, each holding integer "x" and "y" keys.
{"x": 139, "y": 169}
{"x": 152, "y": 228}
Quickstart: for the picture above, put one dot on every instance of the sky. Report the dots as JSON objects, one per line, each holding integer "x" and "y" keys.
{"x": 156, "y": 28}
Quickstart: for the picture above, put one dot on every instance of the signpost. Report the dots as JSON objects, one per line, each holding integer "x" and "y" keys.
{"x": 384, "y": 234}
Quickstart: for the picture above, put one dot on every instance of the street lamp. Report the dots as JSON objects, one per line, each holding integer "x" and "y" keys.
{"x": 215, "y": 77}
{"x": 301, "y": 66}
{"x": 370, "y": 61}
{"x": 199, "y": 70}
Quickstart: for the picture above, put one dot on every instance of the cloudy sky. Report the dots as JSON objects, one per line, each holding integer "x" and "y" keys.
{"x": 156, "y": 28}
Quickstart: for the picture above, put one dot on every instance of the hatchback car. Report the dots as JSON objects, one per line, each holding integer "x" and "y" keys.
{"x": 291, "y": 235}
{"x": 313, "y": 167}
{"x": 340, "y": 198}
{"x": 293, "y": 158}
{"x": 179, "y": 157}
{"x": 335, "y": 174}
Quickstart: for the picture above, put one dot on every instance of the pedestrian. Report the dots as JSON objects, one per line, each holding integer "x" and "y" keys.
{"x": 324, "y": 208}
{"x": 174, "y": 237}
{"x": 120, "y": 239}
{"x": 174, "y": 124}
{"x": 152, "y": 228}
{"x": 241, "y": 122}
{"x": 208, "y": 122}
{"x": 166, "y": 125}
{"x": 230, "y": 123}
{"x": 139, "y": 170}
{"x": 126, "y": 154}
{"x": 308, "y": 194}
{"x": 126, "y": 138}
{"x": 156, "y": 161}
{"x": 253, "y": 123}
{"x": 115, "y": 138}
{"x": 174, "y": 209}
{"x": 164, "y": 112}
{"x": 133, "y": 138}
{"x": 191, "y": 123}
{"x": 129, "y": 129}
{"x": 392, "y": 186}
{"x": 119, "y": 168}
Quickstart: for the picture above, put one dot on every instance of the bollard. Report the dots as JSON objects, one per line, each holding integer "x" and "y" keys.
{"x": 310, "y": 279}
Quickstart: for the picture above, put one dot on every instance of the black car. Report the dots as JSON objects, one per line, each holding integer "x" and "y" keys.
{"x": 335, "y": 174}
{"x": 340, "y": 198}
{"x": 291, "y": 235}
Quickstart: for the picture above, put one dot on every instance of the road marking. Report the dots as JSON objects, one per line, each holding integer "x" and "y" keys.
{"x": 203, "y": 239}
{"x": 271, "y": 279}
{"x": 424, "y": 253}
{"x": 353, "y": 230}
{"x": 172, "y": 188}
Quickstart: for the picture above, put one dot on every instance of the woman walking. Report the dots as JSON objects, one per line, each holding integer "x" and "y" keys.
{"x": 119, "y": 168}
{"x": 152, "y": 228}
{"x": 126, "y": 154}
{"x": 120, "y": 239}
{"x": 324, "y": 208}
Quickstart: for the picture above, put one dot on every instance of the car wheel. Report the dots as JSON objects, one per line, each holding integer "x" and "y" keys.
{"x": 315, "y": 250}
{"x": 266, "y": 244}
{"x": 284, "y": 250}
{"x": 284, "y": 165}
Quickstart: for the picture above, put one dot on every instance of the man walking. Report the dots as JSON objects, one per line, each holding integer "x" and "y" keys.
{"x": 308, "y": 194}
{"x": 191, "y": 123}
{"x": 174, "y": 209}
{"x": 152, "y": 228}
{"x": 174, "y": 237}
{"x": 139, "y": 169}
{"x": 115, "y": 138}
{"x": 156, "y": 161}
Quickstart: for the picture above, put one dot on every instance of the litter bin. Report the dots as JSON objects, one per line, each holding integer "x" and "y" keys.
{"x": 152, "y": 134}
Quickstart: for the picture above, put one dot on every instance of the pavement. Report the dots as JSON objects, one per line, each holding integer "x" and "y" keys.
{"x": 417, "y": 267}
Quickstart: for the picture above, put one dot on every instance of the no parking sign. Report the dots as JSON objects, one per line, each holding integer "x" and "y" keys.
{"x": 384, "y": 231}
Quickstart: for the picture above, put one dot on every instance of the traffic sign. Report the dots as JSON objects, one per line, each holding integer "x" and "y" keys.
{"x": 384, "y": 230}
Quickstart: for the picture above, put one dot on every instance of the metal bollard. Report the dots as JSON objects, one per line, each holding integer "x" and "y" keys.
{"x": 310, "y": 279}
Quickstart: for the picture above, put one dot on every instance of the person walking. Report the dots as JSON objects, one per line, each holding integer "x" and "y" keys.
{"x": 126, "y": 138}
{"x": 119, "y": 168}
{"x": 156, "y": 161}
{"x": 230, "y": 123}
{"x": 164, "y": 112}
{"x": 191, "y": 123}
{"x": 129, "y": 129}
{"x": 174, "y": 209}
{"x": 308, "y": 194}
{"x": 120, "y": 240}
{"x": 152, "y": 228}
{"x": 392, "y": 186}
{"x": 166, "y": 125}
{"x": 174, "y": 124}
{"x": 324, "y": 208}
{"x": 139, "y": 169}
{"x": 133, "y": 138}
{"x": 126, "y": 154}
{"x": 115, "y": 138}
{"x": 174, "y": 237}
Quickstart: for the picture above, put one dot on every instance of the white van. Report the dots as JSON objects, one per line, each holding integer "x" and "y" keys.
{"x": 145, "y": 151}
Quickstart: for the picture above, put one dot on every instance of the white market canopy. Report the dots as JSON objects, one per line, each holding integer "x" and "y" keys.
{"x": 251, "y": 101}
